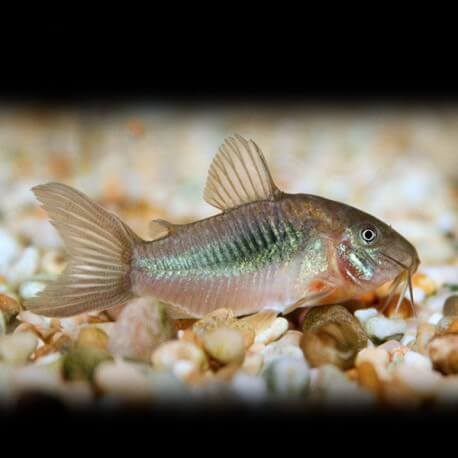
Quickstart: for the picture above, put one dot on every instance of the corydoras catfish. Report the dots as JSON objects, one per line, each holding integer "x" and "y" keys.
{"x": 265, "y": 250}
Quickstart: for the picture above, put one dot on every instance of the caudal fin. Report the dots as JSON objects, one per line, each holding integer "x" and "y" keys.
{"x": 100, "y": 247}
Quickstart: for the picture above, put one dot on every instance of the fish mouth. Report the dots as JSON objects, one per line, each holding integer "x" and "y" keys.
{"x": 402, "y": 281}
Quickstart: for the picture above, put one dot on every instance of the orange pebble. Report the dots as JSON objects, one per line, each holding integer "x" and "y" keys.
{"x": 404, "y": 311}
{"x": 422, "y": 281}
{"x": 368, "y": 378}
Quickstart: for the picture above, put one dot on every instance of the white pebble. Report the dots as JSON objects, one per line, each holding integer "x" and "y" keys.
{"x": 123, "y": 379}
{"x": 24, "y": 267}
{"x": 435, "y": 318}
{"x": 418, "y": 294}
{"x": 286, "y": 377}
{"x": 31, "y": 288}
{"x": 274, "y": 351}
{"x": 9, "y": 248}
{"x": 364, "y": 314}
{"x": 417, "y": 360}
{"x": 183, "y": 369}
{"x": 249, "y": 388}
{"x": 422, "y": 381}
{"x": 408, "y": 339}
{"x": 382, "y": 328}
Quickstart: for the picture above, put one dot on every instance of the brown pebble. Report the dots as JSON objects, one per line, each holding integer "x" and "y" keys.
{"x": 368, "y": 378}
{"x": 332, "y": 335}
{"x": 443, "y": 351}
{"x": 451, "y": 306}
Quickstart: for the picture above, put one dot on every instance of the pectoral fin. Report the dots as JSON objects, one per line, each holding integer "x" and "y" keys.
{"x": 310, "y": 300}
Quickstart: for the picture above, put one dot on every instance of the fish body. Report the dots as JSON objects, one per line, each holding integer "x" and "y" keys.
{"x": 266, "y": 250}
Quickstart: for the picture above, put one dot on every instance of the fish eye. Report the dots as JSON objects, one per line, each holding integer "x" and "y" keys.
{"x": 368, "y": 234}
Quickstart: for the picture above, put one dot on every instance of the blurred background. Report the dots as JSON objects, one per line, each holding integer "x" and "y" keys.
{"x": 151, "y": 161}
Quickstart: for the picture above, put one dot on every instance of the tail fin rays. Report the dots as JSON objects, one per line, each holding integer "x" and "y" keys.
{"x": 100, "y": 246}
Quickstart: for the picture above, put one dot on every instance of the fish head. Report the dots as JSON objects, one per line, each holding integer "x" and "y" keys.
{"x": 369, "y": 252}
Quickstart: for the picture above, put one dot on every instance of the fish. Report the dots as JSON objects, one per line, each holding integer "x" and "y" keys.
{"x": 265, "y": 249}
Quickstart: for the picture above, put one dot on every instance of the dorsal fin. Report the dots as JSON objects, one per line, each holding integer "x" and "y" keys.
{"x": 238, "y": 174}
{"x": 159, "y": 228}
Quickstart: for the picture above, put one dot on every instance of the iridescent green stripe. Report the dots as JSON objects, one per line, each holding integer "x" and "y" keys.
{"x": 239, "y": 252}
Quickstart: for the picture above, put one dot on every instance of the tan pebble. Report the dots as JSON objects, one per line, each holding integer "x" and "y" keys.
{"x": 168, "y": 353}
{"x": 123, "y": 380}
{"x": 443, "y": 351}
{"x": 273, "y": 332}
{"x": 332, "y": 335}
{"x": 425, "y": 333}
{"x": 91, "y": 336}
{"x": 224, "y": 344}
{"x": 403, "y": 311}
{"x": 17, "y": 348}
{"x": 427, "y": 284}
{"x": 451, "y": 306}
